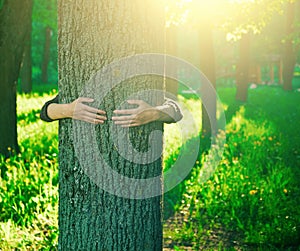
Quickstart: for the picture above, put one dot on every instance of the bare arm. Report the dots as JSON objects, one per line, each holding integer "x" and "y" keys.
{"x": 169, "y": 112}
{"x": 52, "y": 110}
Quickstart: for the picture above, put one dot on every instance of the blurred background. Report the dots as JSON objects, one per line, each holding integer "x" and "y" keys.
{"x": 250, "y": 52}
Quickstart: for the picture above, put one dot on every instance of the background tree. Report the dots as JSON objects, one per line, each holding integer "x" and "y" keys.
{"x": 47, "y": 46}
{"x": 26, "y": 66}
{"x": 14, "y": 16}
{"x": 289, "y": 57}
{"x": 44, "y": 40}
{"x": 242, "y": 71}
{"x": 248, "y": 18}
{"x": 91, "y": 36}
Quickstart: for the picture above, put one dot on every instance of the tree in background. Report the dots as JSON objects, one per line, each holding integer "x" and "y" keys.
{"x": 44, "y": 39}
{"x": 26, "y": 66}
{"x": 91, "y": 35}
{"x": 247, "y": 19}
{"x": 289, "y": 57}
{"x": 198, "y": 15}
{"x": 46, "y": 54}
{"x": 14, "y": 16}
{"x": 242, "y": 69}
{"x": 47, "y": 45}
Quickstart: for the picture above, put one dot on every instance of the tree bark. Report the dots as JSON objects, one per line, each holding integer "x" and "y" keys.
{"x": 90, "y": 36}
{"x": 242, "y": 71}
{"x": 46, "y": 55}
{"x": 289, "y": 59}
{"x": 26, "y": 67}
{"x": 13, "y": 15}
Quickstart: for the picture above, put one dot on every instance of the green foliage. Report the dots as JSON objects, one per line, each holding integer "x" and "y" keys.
{"x": 252, "y": 201}
{"x": 44, "y": 15}
{"x": 45, "y": 12}
{"x": 28, "y": 184}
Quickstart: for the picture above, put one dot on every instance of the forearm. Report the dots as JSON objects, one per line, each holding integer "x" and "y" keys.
{"x": 78, "y": 109}
{"x": 161, "y": 114}
{"x": 169, "y": 112}
{"x": 52, "y": 110}
{"x": 59, "y": 111}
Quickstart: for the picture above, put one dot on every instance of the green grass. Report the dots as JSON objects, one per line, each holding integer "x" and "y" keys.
{"x": 251, "y": 202}
{"x": 253, "y": 199}
{"x": 28, "y": 184}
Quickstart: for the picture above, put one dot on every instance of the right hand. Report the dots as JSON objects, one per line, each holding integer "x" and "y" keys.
{"x": 80, "y": 111}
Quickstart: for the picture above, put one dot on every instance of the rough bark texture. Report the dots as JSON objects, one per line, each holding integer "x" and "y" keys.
{"x": 13, "y": 17}
{"x": 242, "y": 72}
{"x": 289, "y": 59}
{"x": 91, "y": 35}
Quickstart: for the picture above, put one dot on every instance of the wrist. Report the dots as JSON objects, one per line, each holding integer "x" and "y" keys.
{"x": 67, "y": 110}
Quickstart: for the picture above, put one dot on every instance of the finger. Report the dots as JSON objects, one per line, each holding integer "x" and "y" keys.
{"x": 125, "y": 112}
{"x": 94, "y": 121}
{"x": 95, "y": 116}
{"x": 101, "y": 112}
{"x": 125, "y": 122}
{"x": 130, "y": 125}
{"x": 122, "y": 118}
{"x": 101, "y": 117}
{"x": 93, "y": 110}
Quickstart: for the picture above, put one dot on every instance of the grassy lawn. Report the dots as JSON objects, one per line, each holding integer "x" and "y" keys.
{"x": 251, "y": 202}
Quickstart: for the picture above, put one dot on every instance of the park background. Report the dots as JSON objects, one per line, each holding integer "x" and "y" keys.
{"x": 251, "y": 202}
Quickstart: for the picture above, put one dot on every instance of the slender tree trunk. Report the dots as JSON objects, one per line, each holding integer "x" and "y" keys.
{"x": 280, "y": 70}
{"x": 207, "y": 66}
{"x": 13, "y": 15}
{"x": 289, "y": 59}
{"x": 171, "y": 41}
{"x": 92, "y": 35}
{"x": 242, "y": 72}
{"x": 26, "y": 68}
{"x": 46, "y": 55}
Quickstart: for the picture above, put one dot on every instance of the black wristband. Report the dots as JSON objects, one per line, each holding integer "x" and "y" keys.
{"x": 43, "y": 114}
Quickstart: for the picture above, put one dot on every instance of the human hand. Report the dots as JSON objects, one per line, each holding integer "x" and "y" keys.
{"x": 80, "y": 111}
{"x": 141, "y": 115}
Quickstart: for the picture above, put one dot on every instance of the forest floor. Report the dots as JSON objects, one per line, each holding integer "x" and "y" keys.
{"x": 250, "y": 202}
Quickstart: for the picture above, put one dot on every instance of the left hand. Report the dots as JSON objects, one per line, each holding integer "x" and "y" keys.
{"x": 141, "y": 115}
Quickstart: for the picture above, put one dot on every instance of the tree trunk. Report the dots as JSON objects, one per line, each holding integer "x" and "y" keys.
{"x": 13, "y": 17}
{"x": 90, "y": 36}
{"x": 242, "y": 71}
{"x": 289, "y": 59}
{"x": 26, "y": 67}
{"x": 46, "y": 55}
{"x": 208, "y": 94}
{"x": 171, "y": 41}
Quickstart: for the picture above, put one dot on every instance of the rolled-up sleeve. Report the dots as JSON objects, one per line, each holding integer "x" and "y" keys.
{"x": 43, "y": 114}
{"x": 171, "y": 108}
